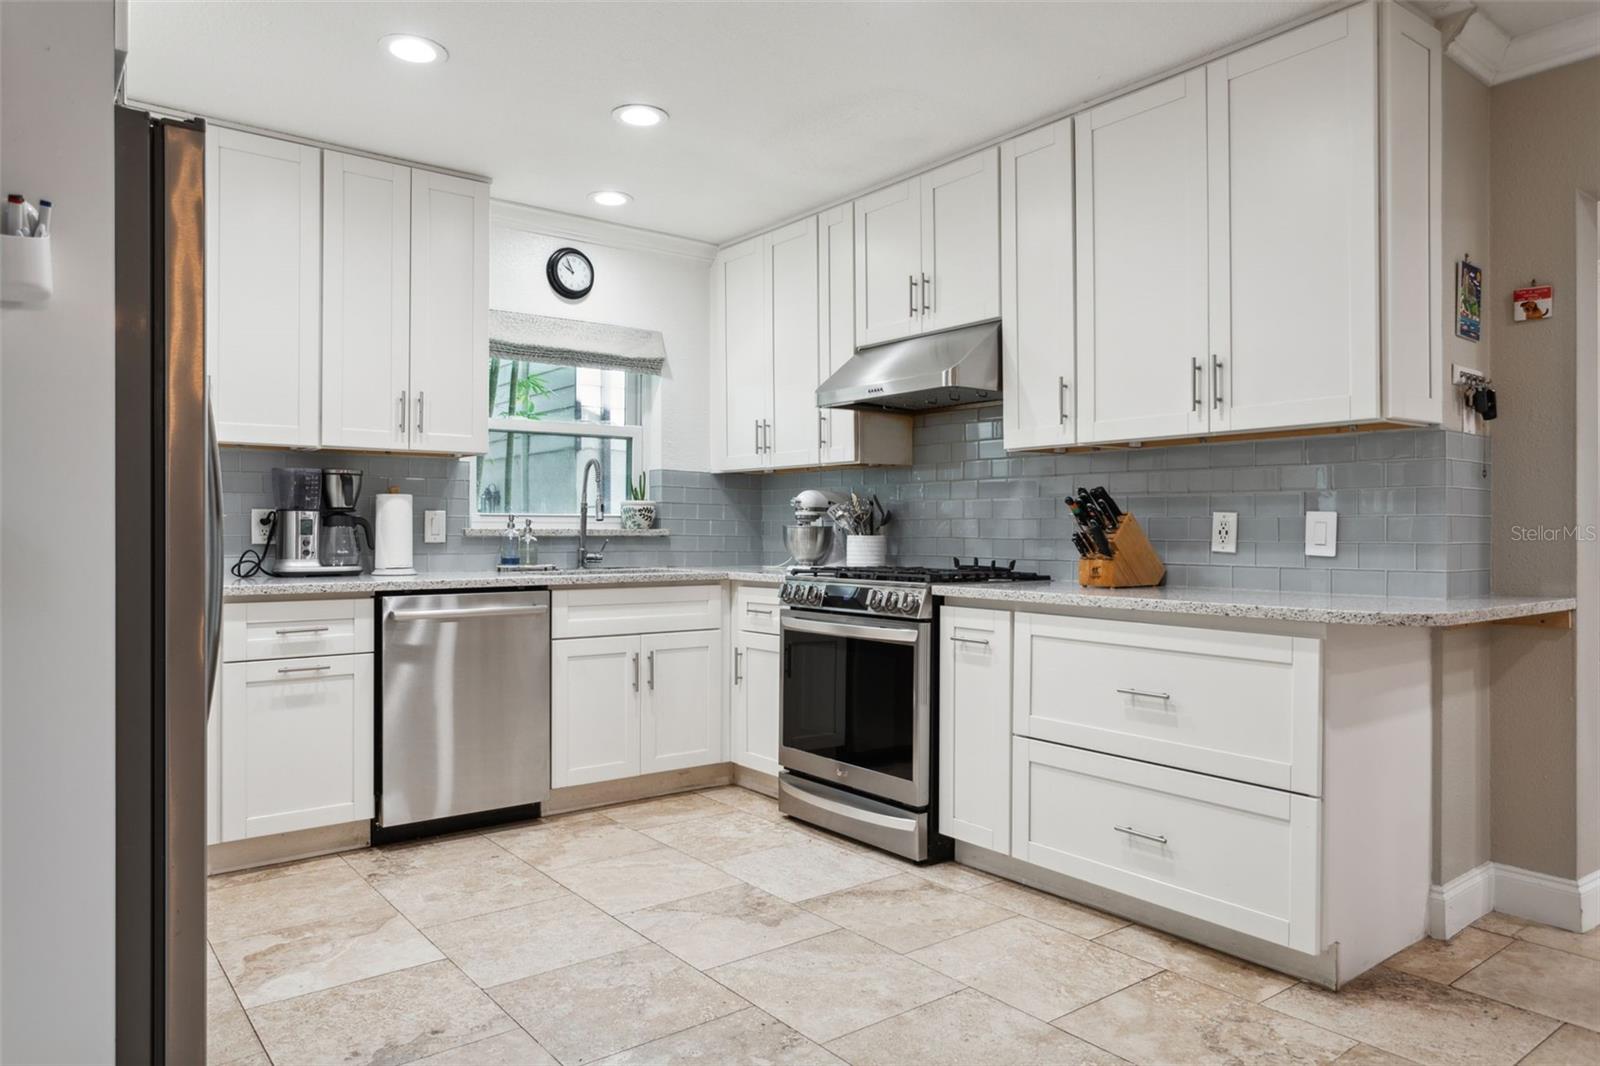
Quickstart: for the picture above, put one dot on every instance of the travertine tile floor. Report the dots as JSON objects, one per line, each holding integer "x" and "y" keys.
{"x": 707, "y": 928}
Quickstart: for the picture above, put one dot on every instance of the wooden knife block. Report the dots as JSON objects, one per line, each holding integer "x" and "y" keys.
{"x": 1133, "y": 564}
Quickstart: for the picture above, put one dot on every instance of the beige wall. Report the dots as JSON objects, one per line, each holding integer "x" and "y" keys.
{"x": 1544, "y": 149}
{"x": 1461, "y": 658}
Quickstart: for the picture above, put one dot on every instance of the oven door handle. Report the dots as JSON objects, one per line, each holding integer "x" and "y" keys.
{"x": 852, "y": 631}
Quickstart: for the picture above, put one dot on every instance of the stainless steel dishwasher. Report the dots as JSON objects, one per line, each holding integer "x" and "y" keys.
{"x": 464, "y": 724}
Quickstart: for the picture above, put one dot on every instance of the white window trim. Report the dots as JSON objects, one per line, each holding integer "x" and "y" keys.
{"x": 613, "y": 523}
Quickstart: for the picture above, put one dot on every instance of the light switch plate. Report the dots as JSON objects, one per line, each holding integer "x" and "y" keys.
{"x": 433, "y": 527}
{"x": 259, "y": 524}
{"x": 1225, "y": 532}
{"x": 1322, "y": 532}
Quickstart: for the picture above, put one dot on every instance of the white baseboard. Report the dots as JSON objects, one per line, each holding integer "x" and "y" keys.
{"x": 1458, "y": 903}
{"x": 1559, "y": 901}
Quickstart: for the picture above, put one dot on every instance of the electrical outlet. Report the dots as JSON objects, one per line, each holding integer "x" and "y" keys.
{"x": 433, "y": 527}
{"x": 260, "y": 524}
{"x": 1225, "y": 532}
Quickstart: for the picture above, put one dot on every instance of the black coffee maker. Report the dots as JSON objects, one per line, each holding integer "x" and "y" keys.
{"x": 338, "y": 550}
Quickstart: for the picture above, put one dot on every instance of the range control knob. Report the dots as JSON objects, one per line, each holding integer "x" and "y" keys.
{"x": 891, "y": 602}
{"x": 911, "y": 603}
{"x": 814, "y": 595}
{"x": 786, "y": 594}
{"x": 874, "y": 599}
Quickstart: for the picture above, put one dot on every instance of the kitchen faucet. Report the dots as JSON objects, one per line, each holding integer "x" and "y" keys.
{"x": 586, "y": 558}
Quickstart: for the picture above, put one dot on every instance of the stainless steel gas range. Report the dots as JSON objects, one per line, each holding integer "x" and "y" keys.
{"x": 859, "y": 696}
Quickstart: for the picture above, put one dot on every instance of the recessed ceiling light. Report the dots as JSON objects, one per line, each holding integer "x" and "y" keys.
{"x": 639, "y": 115}
{"x": 409, "y": 48}
{"x": 610, "y": 197}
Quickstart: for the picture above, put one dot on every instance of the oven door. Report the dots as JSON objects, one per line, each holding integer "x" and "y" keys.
{"x": 855, "y": 705}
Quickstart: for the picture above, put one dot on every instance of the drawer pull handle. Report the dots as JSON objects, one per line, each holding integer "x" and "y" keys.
{"x": 1131, "y": 831}
{"x": 302, "y": 629}
{"x": 303, "y": 669}
{"x": 969, "y": 640}
{"x": 1165, "y": 697}
{"x": 758, "y": 610}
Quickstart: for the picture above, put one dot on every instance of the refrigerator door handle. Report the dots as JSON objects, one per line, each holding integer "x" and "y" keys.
{"x": 213, "y": 552}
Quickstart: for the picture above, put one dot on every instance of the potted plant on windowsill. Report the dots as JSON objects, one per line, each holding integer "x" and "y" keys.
{"x": 638, "y": 512}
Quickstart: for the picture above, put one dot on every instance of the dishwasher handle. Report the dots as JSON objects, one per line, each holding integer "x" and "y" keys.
{"x": 460, "y": 614}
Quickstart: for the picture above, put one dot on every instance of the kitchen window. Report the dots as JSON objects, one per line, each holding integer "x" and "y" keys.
{"x": 546, "y": 421}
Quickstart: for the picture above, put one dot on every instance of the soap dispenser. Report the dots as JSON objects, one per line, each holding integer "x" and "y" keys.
{"x": 529, "y": 554}
{"x": 510, "y": 544}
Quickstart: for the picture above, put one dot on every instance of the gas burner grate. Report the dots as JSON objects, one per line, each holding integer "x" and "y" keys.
{"x": 974, "y": 572}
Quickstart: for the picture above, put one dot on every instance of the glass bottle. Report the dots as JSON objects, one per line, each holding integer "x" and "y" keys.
{"x": 510, "y": 547}
{"x": 530, "y": 544}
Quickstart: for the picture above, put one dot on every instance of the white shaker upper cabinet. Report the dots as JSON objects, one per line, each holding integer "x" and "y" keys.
{"x": 793, "y": 434}
{"x": 1141, "y": 264}
{"x": 961, "y": 242}
{"x": 741, "y": 356}
{"x": 263, "y": 222}
{"x": 889, "y": 264}
{"x": 1294, "y": 228}
{"x": 1037, "y": 336}
{"x": 836, "y": 324}
{"x": 449, "y": 314}
{"x": 366, "y": 302}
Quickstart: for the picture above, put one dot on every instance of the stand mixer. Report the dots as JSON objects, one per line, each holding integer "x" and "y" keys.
{"x": 810, "y": 541}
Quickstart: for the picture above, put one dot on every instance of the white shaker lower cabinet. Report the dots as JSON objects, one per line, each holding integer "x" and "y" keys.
{"x": 296, "y": 744}
{"x": 680, "y": 716}
{"x": 1238, "y": 856}
{"x": 757, "y": 688}
{"x": 641, "y": 689}
{"x": 974, "y": 726}
{"x": 1242, "y": 705}
{"x": 757, "y": 683}
{"x": 594, "y": 710}
{"x": 289, "y": 742}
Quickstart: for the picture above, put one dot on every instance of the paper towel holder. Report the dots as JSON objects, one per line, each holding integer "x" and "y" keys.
{"x": 393, "y": 536}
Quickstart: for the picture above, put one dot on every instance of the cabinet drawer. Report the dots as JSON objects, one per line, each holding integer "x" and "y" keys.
{"x": 1238, "y": 856}
{"x": 631, "y": 611}
{"x": 755, "y": 609}
{"x": 288, "y": 630}
{"x": 1234, "y": 704}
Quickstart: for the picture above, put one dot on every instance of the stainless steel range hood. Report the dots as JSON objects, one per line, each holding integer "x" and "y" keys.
{"x": 920, "y": 373}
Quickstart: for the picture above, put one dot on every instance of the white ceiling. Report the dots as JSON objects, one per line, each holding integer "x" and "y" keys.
{"x": 776, "y": 107}
{"x": 1515, "y": 17}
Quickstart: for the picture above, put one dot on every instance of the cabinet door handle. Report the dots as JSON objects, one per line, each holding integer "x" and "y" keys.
{"x": 402, "y": 426}
{"x": 927, "y": 288}
{"x": 822, "y": 430}
{"x": 757, "y": 423}
{"x": 1165, "y": 697}
{"x": 301, "y": 629}
{"x": 419, "y": 413}
{"x": 1061, "y": 399}
{"x": 969, "y": 640}
{"x": 303, "y": 669}
{"x": 1194, "y": 383}
{"x": 767, "y": 435}
{"x": 738, "y": 661}
{"x": 652, "y": 677}
{"x": 1216, "y": 383}
{"x": 911, "y": 295}
{"x": 1131, "y": 831}
{"x": 636, "y": 671}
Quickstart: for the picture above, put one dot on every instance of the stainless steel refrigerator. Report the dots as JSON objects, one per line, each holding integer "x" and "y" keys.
{"x": 168, "y": 587}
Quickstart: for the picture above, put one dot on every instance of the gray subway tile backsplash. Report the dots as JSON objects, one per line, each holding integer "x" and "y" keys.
{"x": 1413, "y": 506}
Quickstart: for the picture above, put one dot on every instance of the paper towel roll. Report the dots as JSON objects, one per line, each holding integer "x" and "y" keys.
{"x": 391, "y": 554}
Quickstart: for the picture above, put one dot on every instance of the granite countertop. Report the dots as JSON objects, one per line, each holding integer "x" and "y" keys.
{"x": 266, "y": 587}
{"x": 1275, "y": 606}
{"x": 1221, "y": 603}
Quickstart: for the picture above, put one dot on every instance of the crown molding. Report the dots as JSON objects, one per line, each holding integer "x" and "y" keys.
{"x": 1494, "y": 58}
{"x": 549, "y": 223}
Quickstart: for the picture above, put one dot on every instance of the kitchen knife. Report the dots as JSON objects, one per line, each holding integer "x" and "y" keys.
{"x": 1078, "y": 510}
{"x": 1081, "y": 542}
{"x": 1097, "y": 535}
{"x": 1107, "y": 504}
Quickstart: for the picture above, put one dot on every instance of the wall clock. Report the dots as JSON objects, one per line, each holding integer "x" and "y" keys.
{"x": 570, "y": 273}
